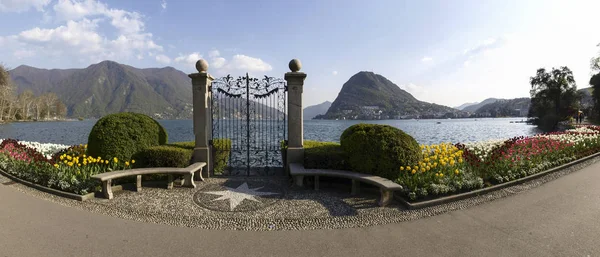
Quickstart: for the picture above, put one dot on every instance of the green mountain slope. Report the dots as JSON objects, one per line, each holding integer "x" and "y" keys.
{"x": 518, "y": 107}
{"x": 474, "y": 107}
{"x": 319, "y": 109}
{"x": 367, "y": 95}
{"x": 110, "y": 87}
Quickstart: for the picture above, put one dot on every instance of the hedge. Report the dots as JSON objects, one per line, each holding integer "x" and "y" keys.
{"x": 324, "y": 155}
{"x": 164, "y": 156}
{"x": 221, "y": 157}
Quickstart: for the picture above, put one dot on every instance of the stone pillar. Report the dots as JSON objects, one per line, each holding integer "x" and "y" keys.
{"x": 295, "y": 84}
{"x": 201, "y": 82}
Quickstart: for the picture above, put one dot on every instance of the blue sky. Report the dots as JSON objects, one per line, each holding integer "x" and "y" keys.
{"x": 447, "y": 52}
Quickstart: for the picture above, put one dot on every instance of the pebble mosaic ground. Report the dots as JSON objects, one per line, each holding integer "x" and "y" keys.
{"x": 276, "y": 205}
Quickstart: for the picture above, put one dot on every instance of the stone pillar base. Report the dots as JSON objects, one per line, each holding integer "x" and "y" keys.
{"x": 201, "y": 154}
{"x": 294, "y": 155}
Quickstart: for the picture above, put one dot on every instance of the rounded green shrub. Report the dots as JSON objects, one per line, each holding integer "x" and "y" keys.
{"x": 379, "y": 149}
{"x": 122, "y": 135}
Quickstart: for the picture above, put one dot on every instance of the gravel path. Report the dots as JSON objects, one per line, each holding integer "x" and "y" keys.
{"x": 283, "y": 208}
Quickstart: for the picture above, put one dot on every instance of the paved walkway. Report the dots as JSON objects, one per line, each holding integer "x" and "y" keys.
{"x": 559, "y": 218}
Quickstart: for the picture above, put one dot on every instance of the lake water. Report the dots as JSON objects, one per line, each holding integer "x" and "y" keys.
{"x": 424, "y": 131}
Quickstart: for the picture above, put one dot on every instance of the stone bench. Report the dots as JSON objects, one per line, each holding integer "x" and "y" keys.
{"x": 188, "y": 173}
{"x": 386, "y": 186}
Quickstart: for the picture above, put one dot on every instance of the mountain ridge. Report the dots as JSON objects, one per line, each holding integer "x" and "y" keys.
{"x": 111, "y": 87}
{"x": 367, "y": 95}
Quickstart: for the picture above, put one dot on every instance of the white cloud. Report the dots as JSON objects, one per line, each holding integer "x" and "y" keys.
{"x": 74, "y": 10}
{"x": 334, "y": 73}
{"x": 218, "y": 62}
{"x": 417, "y": 91}
{"x": 82, "y": 38}
{"x": 81, "y": 35}
{"x": 219, "y": 65}
{"x": 163, "y": 59}
{"x": 163, "y": 4}
{"x": 426, "y": 59}
{"x": 127, "y": 22}
{"x": 214, "y": 53}
{"x": 22, "y": 5}
{"x": 249, "y": 64}
{"x": 189, "y": 59}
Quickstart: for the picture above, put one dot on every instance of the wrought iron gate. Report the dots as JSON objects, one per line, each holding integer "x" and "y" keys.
{"x": 249, "y": 125}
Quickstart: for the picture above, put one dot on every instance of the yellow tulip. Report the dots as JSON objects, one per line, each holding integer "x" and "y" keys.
{"x": 56, "y": 165}
{"x": 423, "y": 169}
{"x": 401, "y": 167}
{"x": 70, "y": 164}
{"x": 132, "y": 161}
{"x": 126, "y": 163}
{"x": 413, "y": 171}
{"x": 79, "y": 164}
{"x": 407, "y": 167}
{"x": 69, "y": 157}
{"x": 456, "y": 172}
{"x": 62, "y": 157}
{"x": 441, "y": 174}
{"x": 416, "y": 167}
{"x": 115, "y": 160}
{"x": 106, "y": 162}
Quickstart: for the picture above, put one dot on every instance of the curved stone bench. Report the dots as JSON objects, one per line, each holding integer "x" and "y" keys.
{"x": 386, "y": 186}
{"x": 188, "y": 173}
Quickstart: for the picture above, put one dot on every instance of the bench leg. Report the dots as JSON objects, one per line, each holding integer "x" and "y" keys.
{"x": 170, "y": 181}
{"x": 189, "y": 180}
{"x": 386, "y": 197}
{"x": 299, "y": 180}
{"x": 316, "y": 183}
{"x": 107, "y": 189}
{"x": 138, "y": 183}
{"x": 199, "y": 175}
{"x": 355, "y": 187}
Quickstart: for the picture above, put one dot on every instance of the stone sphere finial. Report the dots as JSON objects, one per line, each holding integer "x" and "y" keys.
{"x": 201, "y": 65}
{"x": 295, "y": 65}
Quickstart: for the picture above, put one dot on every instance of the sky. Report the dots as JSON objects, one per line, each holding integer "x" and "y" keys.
{"x": 445, "y": 52}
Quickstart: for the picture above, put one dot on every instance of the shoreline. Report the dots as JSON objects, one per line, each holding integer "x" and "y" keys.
{"x": 24, "y": 121}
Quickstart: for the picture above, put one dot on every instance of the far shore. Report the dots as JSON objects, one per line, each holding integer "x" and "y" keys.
{"x": 16, "y": 121}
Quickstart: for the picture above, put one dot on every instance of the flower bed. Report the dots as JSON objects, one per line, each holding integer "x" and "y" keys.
{"x": 60, "y": 167}
{"x": 449, "y": 169}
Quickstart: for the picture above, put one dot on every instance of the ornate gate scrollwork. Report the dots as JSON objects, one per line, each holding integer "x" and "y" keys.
{"x": 248, "y": 125}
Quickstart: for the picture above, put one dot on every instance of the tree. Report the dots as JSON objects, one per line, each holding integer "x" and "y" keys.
{"x": 6, "y": 92}
{"x": 554, "y": 97}
{"x": 61, "y": 109}
{"x": 595, "y": 62}
{"x": 595, "y": 82}
{"x": 25, "y": 100}
{"x": 49, "y": 100}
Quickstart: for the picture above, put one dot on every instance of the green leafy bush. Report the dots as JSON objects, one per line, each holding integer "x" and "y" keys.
{"x": 122, "y": 135}
{"x": 324, "y": 155}
{"x": 221, "y": 153}
{"x": 164, "y": 156}
{"x": 379, "y": 149}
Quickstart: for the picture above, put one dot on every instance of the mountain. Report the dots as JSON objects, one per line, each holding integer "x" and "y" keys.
{"x": 474, "y": 107}
{"x": 109, "y": 87}
{"x": 465, "y": 105}
{"x": 312, "y": 111}
{"x": 506, "y": 108}
{"x": 367, "y": 95}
